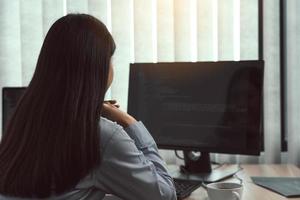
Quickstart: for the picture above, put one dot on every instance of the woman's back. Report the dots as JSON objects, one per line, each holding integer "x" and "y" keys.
{"x": 130, "y": 168}
{"x": 52, "y": 138}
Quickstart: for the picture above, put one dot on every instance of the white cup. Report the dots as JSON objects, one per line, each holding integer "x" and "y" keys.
{"x": 225, "y": 191}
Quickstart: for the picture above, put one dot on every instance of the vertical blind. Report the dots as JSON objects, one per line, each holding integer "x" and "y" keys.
{"x": 145, "y": 31}
{"x": 292, "y": 54}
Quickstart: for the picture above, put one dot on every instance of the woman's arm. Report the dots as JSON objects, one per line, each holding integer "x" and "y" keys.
{"x": 132, "y": 168}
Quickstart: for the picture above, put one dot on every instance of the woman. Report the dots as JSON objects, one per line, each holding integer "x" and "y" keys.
{"x": 57, "y": 145}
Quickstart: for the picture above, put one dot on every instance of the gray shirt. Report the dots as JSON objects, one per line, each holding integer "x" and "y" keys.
{"x": 131, "y": 168}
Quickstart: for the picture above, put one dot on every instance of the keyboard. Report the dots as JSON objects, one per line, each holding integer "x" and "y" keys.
{"x": 185, "y": 187}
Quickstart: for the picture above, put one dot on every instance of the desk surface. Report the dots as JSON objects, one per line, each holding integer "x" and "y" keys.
{"x": 252, "y": 191}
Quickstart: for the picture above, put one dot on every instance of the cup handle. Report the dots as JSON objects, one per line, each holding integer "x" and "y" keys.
{"x": 236, "y": 195}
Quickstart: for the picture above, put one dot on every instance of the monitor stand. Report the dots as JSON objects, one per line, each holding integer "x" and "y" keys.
{"x": 198, "y": 168}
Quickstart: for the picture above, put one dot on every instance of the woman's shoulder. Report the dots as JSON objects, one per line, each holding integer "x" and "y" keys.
{"x": 108, "y": 129}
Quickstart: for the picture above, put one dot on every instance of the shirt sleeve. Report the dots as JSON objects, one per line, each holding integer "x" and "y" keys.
{"x": 132, "y": 169}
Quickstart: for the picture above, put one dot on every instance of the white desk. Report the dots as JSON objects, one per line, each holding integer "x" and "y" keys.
{"x": 252, "y": 191}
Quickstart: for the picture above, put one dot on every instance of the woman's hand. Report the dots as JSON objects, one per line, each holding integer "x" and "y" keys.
{"x": 111, "y": 111}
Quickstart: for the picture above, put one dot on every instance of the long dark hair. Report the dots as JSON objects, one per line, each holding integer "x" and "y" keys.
{"x": 52, "y": 139}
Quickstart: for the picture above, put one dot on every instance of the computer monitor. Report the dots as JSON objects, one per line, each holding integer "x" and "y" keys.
{"x": 10, "y": 98}
{"x": 200, "y": 106}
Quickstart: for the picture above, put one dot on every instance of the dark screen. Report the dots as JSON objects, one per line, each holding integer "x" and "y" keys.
{"x": 10, "y": 98}
{"x": 207, "y": 106}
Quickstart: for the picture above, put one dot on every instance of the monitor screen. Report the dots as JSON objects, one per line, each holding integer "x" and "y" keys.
{"x": 10, "y": 98}
{"x": 205, "y": 106}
